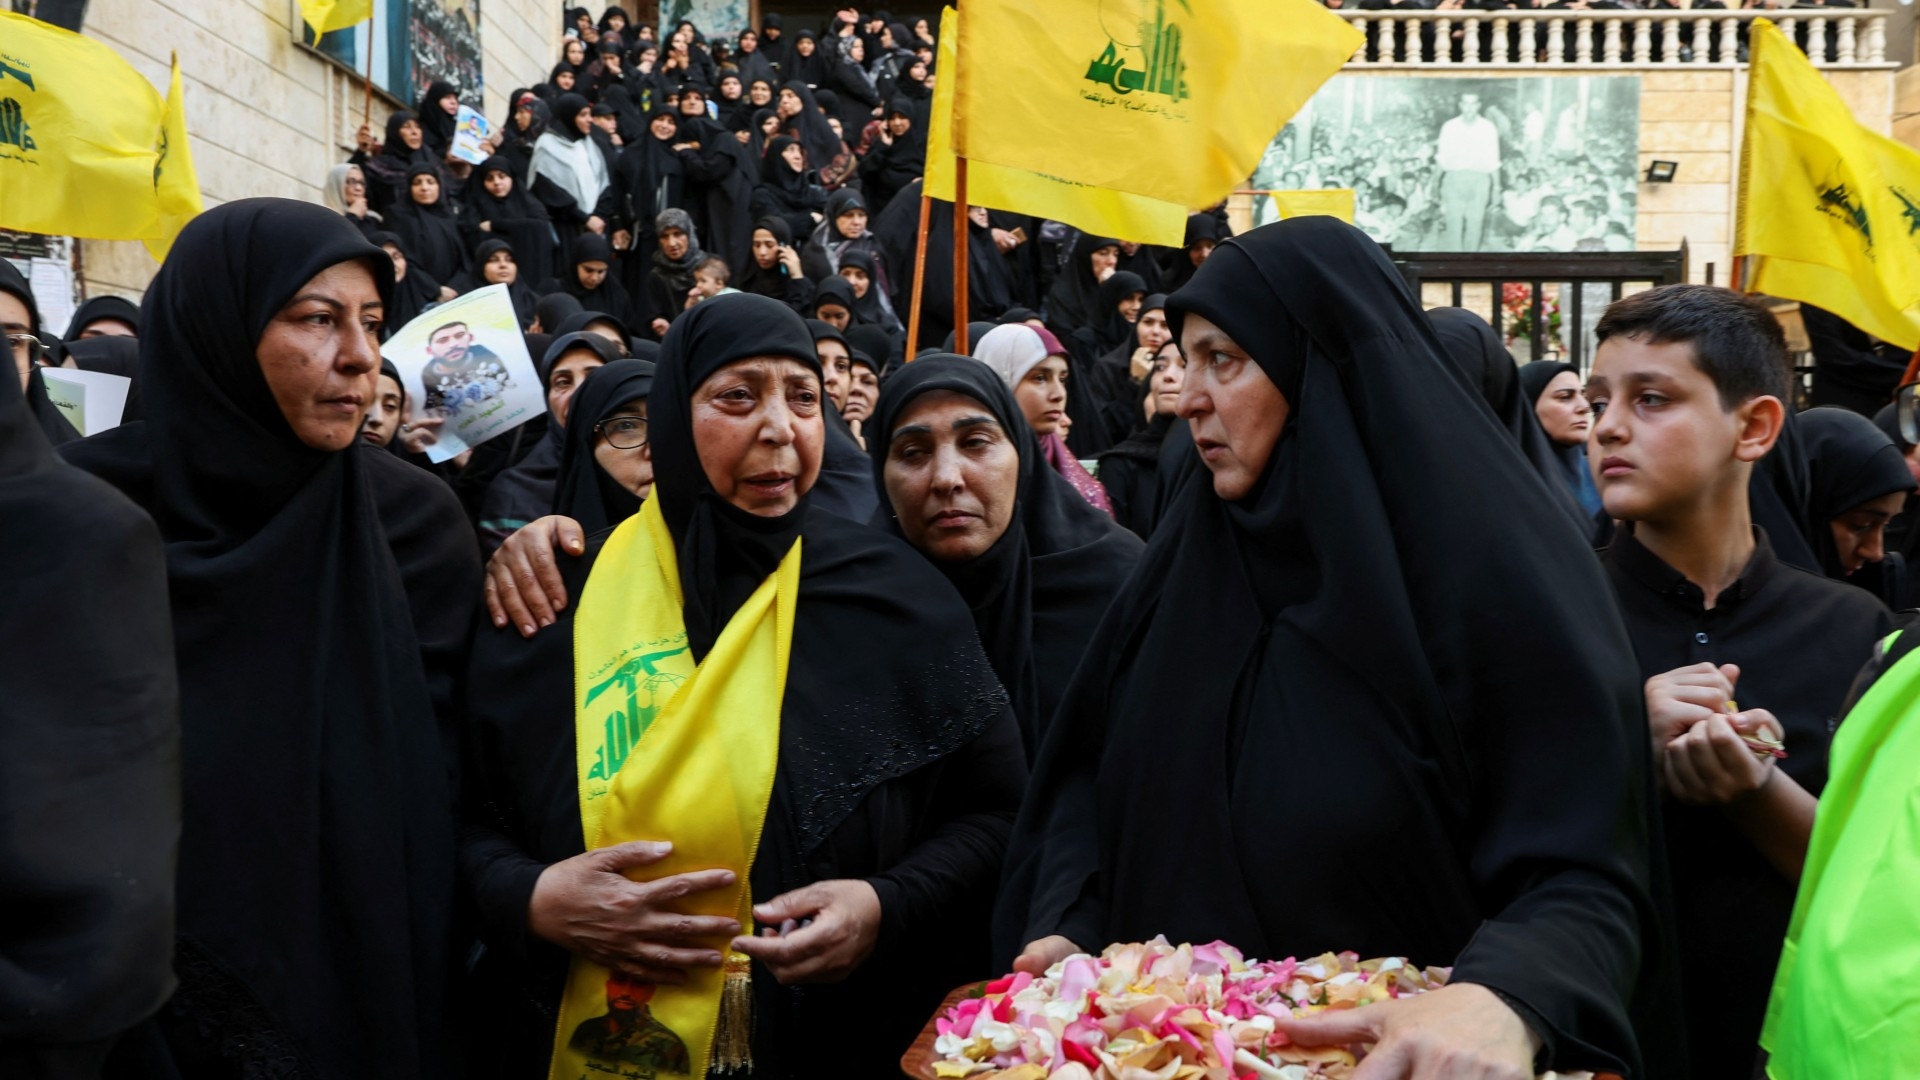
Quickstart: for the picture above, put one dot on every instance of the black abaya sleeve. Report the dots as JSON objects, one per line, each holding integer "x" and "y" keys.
{"x": 946, "y": 880}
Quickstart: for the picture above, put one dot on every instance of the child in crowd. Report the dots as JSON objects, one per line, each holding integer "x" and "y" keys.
{"x": 1688, "y": 386}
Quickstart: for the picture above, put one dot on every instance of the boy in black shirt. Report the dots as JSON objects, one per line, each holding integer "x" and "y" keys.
{"x": 1687, "y": 387}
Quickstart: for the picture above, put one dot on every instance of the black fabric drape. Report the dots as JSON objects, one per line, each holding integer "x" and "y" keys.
{"x": 113, "y": 356}
{"x": 412, "y": 294}
{"x": 1039, "y": 592}
{"x": 1357, "y": 581}
{"x": 989, "y": 288}
{"x": 103, "y": 307}
{"x": 89, "y": 759}
{"x": 1074, "y": 300}
{"x": 1489, "y": 371}
{"x": 315, "y": 876}
{"x": 845, "y": 486}
{"x": 1850, "y": 461}
{"x": 584, "y": 491}
{"x": 904, "y": 777}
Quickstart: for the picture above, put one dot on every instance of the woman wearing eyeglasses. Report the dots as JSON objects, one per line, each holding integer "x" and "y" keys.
{"x": 20, "y": 323}
{"x": 606, "y": 470}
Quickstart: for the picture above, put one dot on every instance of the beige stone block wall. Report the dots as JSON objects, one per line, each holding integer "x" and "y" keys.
{"x": 265, "y": 115}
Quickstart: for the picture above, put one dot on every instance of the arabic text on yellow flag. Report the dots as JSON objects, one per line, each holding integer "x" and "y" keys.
{"x": 326, "y": 16}
{"x": 1830, "y": 209}
{"x": 1331, "y": 202}
{"x": 87, "y": 146}
{"x": 1118, "y": 214}
{"x": 1172, "y": 99}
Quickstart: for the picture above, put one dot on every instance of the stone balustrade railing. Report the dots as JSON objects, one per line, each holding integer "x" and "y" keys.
{"x": 1608, "y": 40}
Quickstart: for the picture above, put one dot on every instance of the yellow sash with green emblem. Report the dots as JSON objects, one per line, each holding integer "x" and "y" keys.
{"x": 669, "y": 750}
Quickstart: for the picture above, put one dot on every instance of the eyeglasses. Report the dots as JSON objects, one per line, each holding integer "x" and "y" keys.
{"x": 26, "y": 347}
{"x": 624, "y": 432}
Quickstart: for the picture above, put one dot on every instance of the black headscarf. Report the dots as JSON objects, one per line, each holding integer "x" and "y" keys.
{"x": 1108, "y": 328}
{"x": 436, "y": 124}
{"x": 430, "y": 234}
{"x": 53, "y": 423}
{"x": 527, "y": 490}
{"x": 610, "y": 296}
{"x": 1849, "y": 461}
{"x": 867, "y": 310}
{"x": 1039, "y": 592}
{"x": 1179, "y": 268}
{"x": 103, "y": 307}
{"x": 519, "y": 219}
{"x": 814, "y": 131}
{"x": 833, "y": 290}
{"x": 585, "y": 492}
{"x": 756, "y": 138}
{"x": 1358, "y": 580}
{"x": 1074, "y": 300}
{"x": 344, "y": 801}
{"x": 524, "y": 299}
{"x": 808, "y": 70}
{"x": 1489, "y": 370}
{"x": 767, "y": 281}
{"x": 412, "y": 294}
{"x": 553, "y": 309}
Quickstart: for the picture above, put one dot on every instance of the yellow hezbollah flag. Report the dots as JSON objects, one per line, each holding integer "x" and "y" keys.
{"x": 325, "y": 16}
{"x": 1331, "y": 202}
{"x": 671, "y": 750}
{"x": 87, "y": 146}
{"x": 1828, "y": 210}
{"x": 1172, "y": 99}
{"x": 1103, "y": 213}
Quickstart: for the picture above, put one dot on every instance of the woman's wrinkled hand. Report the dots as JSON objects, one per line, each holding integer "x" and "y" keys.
{"x": 523, "y": 584}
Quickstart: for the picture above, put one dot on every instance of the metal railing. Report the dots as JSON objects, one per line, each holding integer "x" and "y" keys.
{"x": 1589, "y": 40}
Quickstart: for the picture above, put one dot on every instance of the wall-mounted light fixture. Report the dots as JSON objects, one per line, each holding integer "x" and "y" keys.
{"x": 1661, "y": 172}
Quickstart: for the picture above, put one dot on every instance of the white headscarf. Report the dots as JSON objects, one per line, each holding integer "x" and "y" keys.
{"x": 335, "y": 190}
{"x": 1011, "y": 351}
{"x": 575, "y": 164}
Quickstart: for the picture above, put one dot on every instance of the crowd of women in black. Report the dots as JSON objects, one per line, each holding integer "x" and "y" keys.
{"x": 1221, "y": 593}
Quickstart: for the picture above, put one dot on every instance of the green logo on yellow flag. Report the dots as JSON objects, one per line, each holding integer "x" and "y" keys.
{"x": 622, "y": 729}
{"x": 1155, "y": 44}
{"x": 1848, "y": 210}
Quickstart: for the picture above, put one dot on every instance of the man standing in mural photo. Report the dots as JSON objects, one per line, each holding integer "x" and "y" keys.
{"x": 1468, "y": 156}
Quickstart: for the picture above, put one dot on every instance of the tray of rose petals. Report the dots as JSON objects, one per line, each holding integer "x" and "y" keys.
{"x": 1156, "y": 1011}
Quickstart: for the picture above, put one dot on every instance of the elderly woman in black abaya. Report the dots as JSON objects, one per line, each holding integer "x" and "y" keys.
{"x": 316, "y": 874}
{"x": 670, "y": 279}
{"x": 1859, "y": 483}
{"x": 876, "y": 835}
{"x": 1331, "y": 560}
{"x": 526, "y": 491}
{"x": 962, "y": 479}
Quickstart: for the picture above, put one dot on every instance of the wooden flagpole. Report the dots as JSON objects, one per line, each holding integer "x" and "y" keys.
{"x": 919, "y": 274}
{"x": 366, "y": 110}
{"x": 960, "y": 231}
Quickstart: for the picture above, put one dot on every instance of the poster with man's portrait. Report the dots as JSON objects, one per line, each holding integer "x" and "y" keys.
{"x": 1547, "y": 164}
{"x": 466, "y": 372}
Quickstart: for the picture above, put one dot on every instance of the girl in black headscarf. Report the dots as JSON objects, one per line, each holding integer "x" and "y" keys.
{"x": 439, "y": 111}
{"x": 495, "y": 263}
{"x": 527, "y": 490}
{"x": 413, "y": 288}
{"x": 774, "y": 266}
{"x": 1333, "y": 560}
{"x": 388, "y": 171}
{"x": 1859, "y": 482}
{"x": 1074, "y": 300}
{"x": 905, "y": 804}
{"x": 751, "y": 63}
{"x": 809, "y": 63}
{"x": 899, "y": 156}
{"x": 1489, "y": 371}
{"x": 498, "y": 206}
{"x": 1178, "y": 264}
{"x": 604, "y": 294}
{"x": 1039, "y": 588}
{"x": 786, "y": 189}
{"x": 766, "y": 125}
{"x": 871, "y": 307}
{"x": 1130, "y": 469}
{"x": 315, "y": 873}
{"x": 606, "y": 426}
{"x": 1110, "y": 325}
{"x": 427, "y": 225}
